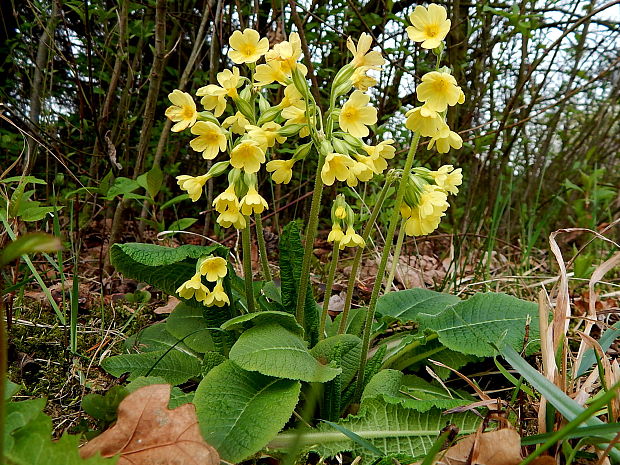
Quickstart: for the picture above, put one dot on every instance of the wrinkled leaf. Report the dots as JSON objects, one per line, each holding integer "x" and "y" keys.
{"x": 147, "y": 432}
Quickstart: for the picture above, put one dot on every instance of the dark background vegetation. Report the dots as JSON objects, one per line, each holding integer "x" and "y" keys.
{"x": 84, "y": 86}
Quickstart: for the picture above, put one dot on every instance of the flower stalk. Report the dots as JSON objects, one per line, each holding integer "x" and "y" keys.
{"x": 394, "y": 220}
{"x": 396, "y": 256}
{"x": 262, "y": 248}
{"x": 247, "y": 266}
{"x": 328, "y": 288}
{"x": 360, "y": 250}
{"x": 311, "y": 229}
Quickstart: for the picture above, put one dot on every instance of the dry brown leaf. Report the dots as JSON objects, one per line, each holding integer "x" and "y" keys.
{"x": 168, "y": 307}
{"x": 148, "y": 433}
{"x": 501, "y": 447}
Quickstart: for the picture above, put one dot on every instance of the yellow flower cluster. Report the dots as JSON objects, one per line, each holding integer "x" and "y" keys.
{"x": 343, "y": 216}
{"x": 214, "y": 270}
{"x": 426, "y": 199}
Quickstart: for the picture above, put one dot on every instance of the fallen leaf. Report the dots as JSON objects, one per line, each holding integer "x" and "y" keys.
{"x": 501, "y": 447}
{"x": 172, "y": 302}
{"x": 148, "y": 433}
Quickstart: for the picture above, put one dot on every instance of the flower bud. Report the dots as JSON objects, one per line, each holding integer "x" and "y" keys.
{"x": 343, "y": 75}
{"x": 354, "y": 142}
{"x": 263, "y": 104}
{"x": 301, "y": 84}
{"x": 340, "y": 146}
{"x": 268, "y": 115}
{"x": 302, "y": 151}
{"x": 246, "y": 93}
{"x": 326, "y": 147}
{"x": 245, "y": 108}
{"x": 208, "y": 116}
{"x": 290, "y": 130}
{"x": 218, "y": 169}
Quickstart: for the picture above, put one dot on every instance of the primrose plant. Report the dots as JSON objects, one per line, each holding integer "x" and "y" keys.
{"x": 257, "y": 346}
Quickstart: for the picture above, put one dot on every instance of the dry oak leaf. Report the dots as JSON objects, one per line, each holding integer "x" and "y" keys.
{"x": 148, "y": 433}
{"x": 501, "y": 447}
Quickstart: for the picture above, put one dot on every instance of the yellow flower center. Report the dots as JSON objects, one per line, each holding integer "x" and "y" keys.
{"x": 187, "y": 112}
{"x": 349, "y": 113}
{"x": 431, "y": 30}
{"x": 249, "y": 50}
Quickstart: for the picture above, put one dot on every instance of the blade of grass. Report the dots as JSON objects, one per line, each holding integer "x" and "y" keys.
{"x": 37, "y": 276}
{"x": 597, "y": 431}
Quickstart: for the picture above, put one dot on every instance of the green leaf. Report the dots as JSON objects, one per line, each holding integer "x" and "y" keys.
{"x": 151, "y": 180}
{"x": 291, "y": 258}
{"x": 10, "y": 389}
{"x": 27, "y": 244}
{"x": 562, "y": 403}
{"x": 103, "y": 407}
{"x": 188, "y": 324}
{"x": 404, "y": 306}
{"x": 273, "y": 350}
{"x": 607, "y": 338}
{"x": 472, "y": 326}
{"x": 121, "y": 186}
{"x": 154, "y": 338}
{"x": 35, "y": 213}
{"x": 182, "y": 224}
{"x": 163, "y": 267}
{"x": 24, "y": 179}
{"x": 177, "y": 397}
{"x": 240, "y": 412}
{"x": 396, "y": 431}
{"x": 174, "y": 366}
{"x": 244, "y": 322}
{"x": 345, "y": 350}
{"x": 410, "y": 391}
{"x": 354, "y": 325}
{"x": 174, "y": 201}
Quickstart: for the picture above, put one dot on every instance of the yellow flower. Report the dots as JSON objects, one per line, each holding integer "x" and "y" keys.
{"x": 359, "y": 172}
{"x": 183, "y": 110}
{"x": 231, "y": 217}
{"x": 287, "y": 53}
{"x": 340, "y": 213}
{"x": 193, "y": 185}
{"x": 282, "y": 170}
{"x": 210, "y": 141}
{"x": 217, "y": 296}
{"x": 430, "y": 26}
{"x": 292, "y": 98}
{"x": 361, "y": 54}
{"x": 336, "y": 166}
{"x": 213, "y": 268}
{"x": 253, "y": 202}
{"x": 377, "y": 165}
{"x": 361, "y": 80}
{"x": 236, "y": 122}
{"x": 444, "y": 142}
{"x": 248, "y": 156}
{"x": 427, "y": 122}
{"x": 270, "y": 72}
{"x": 296, "y": 115}
{"x": 193, "y": 288}
{"x": 247, "y": 46}
{"x": 384, "y": 150}
{"x": 335, "y": 234}
{"x": 267, "y": 135}
{"x": 351, "y": 239}
{"x": 214, "y": 96}
{"x": 438, "y": 90}
{"x": 432, "y": 200}
{"x": 448, "y": 179}
{"x": 227, "y": 200}
{"x": 419, "y": 225}
{"x": 356, "y": 115}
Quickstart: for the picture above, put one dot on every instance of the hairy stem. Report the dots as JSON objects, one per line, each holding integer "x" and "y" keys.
{"x": 262, "y": 249}
{"x": 396, "y": 256}
{"x": 358, "y": 254}
{"x": 389, "y": 238}
{"x": 328, "y": 288}
{"x": 247, "y": 265}
{"x": 313, "y": 222}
